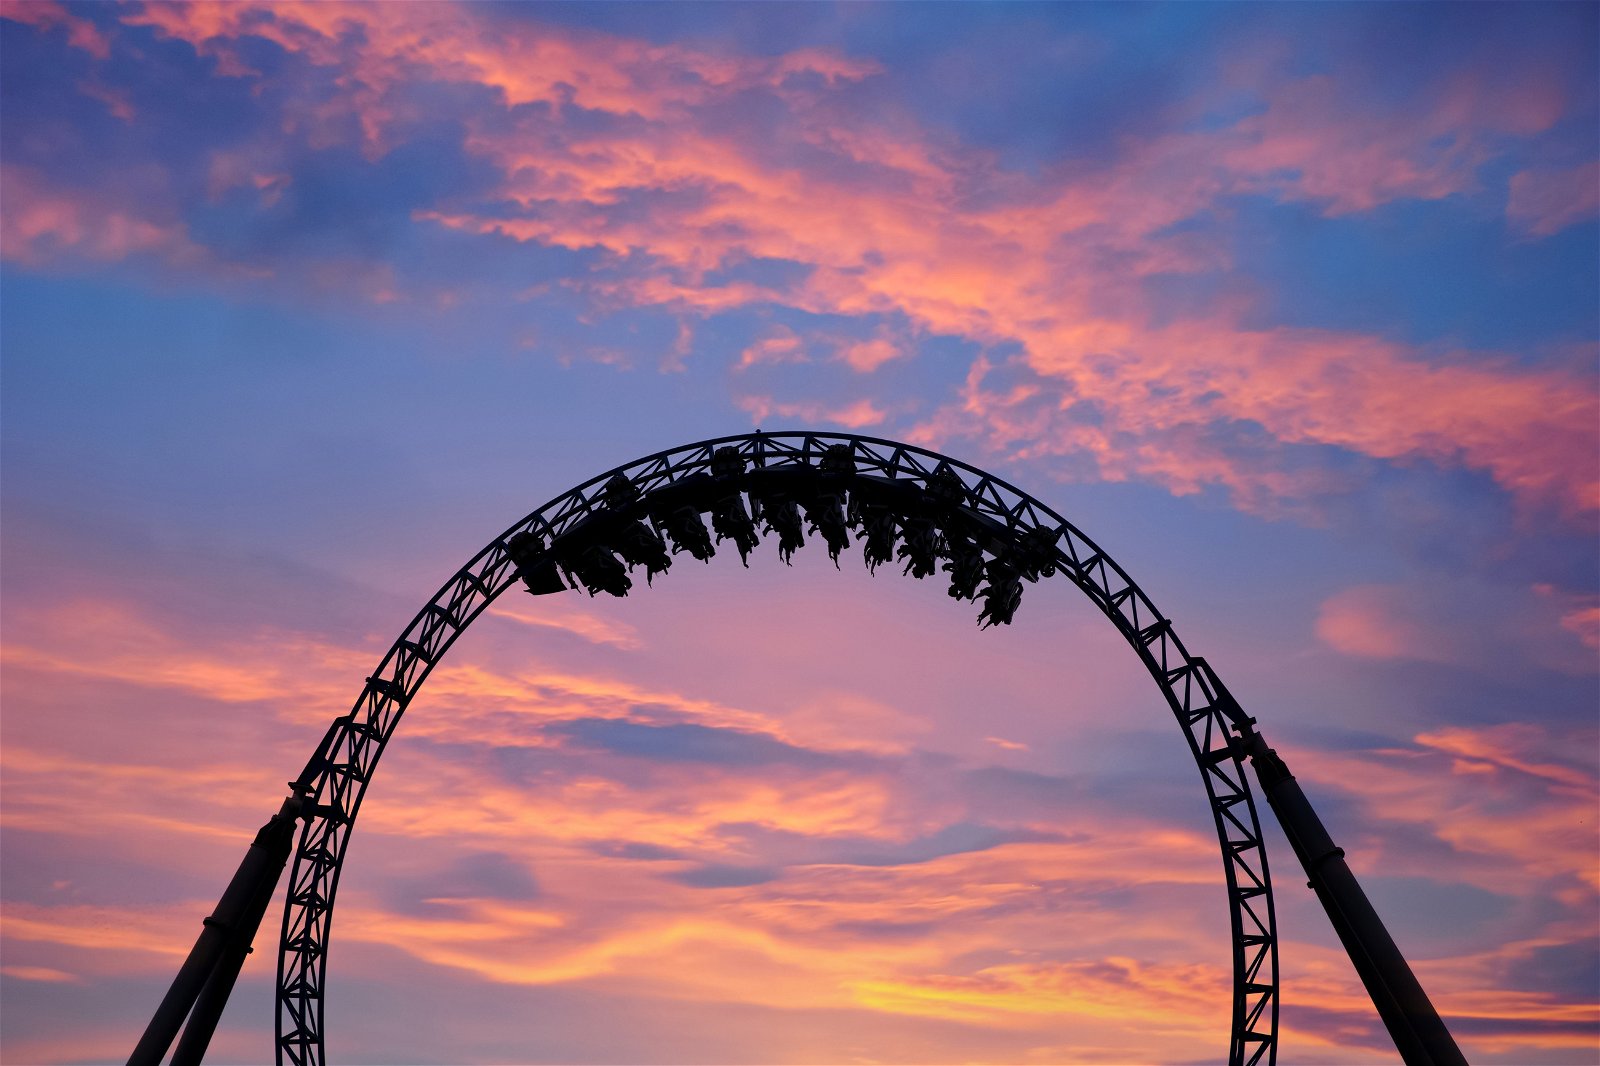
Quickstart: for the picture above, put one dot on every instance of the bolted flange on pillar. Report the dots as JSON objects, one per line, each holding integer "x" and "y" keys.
{"x": 1419, "y": 1034}
{"x": 208, "y": 974}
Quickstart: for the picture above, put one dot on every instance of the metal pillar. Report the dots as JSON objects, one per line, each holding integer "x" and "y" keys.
{"x": 991, "y": 530}
{"x": 201, "y": 988}
{"x": 1419, "y": 1033}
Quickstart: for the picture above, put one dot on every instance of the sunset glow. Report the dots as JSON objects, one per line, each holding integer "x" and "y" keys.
{"x": 1292, "y": 307}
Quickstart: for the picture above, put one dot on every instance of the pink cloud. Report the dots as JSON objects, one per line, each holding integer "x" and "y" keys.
{"x": 559, "y": 613}
{"x": 117, "y": 101}
{"x": 1051, "y": 269}
{"x": 1510, "y": 800}
{"x": 1004, "y": 275}
{"x": 48, "y": 14}
{"x": 781, "y": 347}
{"x": 1023, "y": 940}
{"x": 1514, "y": 745}
{"x": 867, "y": 356}
{"x": 257, "y": 169}
{"x": 1354, "y": 392}
{"x": 103, "y": 929}
{"x": 858, "y": 414}
{"x": 1507, "y": 808}
{"x": 1584, "y": 621}
{"x": 384, "y": 46}
{"x": 1532, "y": 430}
{"x": 790, "y": 941}
{"x": 44, "y": 222}
{"x": 1544, "y": 202}
{"x": 39, "y": 973}
{"x": 1364, "y": 621}
{"x": 1459, "y": 623}
{"x": 888, "y": 223}
{"x": 1320, "y": 140}
{"x": 115, "y": 641}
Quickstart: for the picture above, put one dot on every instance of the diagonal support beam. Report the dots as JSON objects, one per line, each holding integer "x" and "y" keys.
{"x": 200, "y": 990}
{"x": 1419, "y": 1034}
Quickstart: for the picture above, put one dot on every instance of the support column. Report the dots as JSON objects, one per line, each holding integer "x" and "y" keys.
{"x": 213, "y": 964}
{"x": 1419, "y": 1033}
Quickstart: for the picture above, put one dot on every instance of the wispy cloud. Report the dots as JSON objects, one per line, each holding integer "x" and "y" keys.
{"x": 884, "y": 221}
{"x": 300, "y": 295}
{"x": 560, "y": 614}
{"x": 1548, "y": 201}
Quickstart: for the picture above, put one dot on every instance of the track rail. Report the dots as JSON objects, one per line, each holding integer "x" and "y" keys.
{"x": 886, "y": 492}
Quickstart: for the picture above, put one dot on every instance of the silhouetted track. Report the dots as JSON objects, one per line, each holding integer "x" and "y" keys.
{"x": 908, "y": 507}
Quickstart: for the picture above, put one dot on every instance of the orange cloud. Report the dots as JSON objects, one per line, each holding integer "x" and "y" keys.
{"x": 1023, "y": 940}
{"x": 1532, "y": 431}
{"x": 39, "y": 973}
{"x": 1466, "y": 787}
{"x": 891, "y": 223}
{"x": 136, "y": 798}
{"x": 104, "y": 930}
{"x": 820, "y": 936}
{"x": 385, "y": 45}
{"x": 113, "y": 641}
{"x": 600, "y": 917}
{"x": 867, "y": 356}
{"x": 673, "y": 808}
{"x": 1511, "y": 746}
{"x": 1005, "y": 274}
{"x": 1170, "y": 1000}
{"x": 560, "y": 613}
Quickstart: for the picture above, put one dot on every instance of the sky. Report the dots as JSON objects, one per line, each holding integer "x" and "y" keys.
{"x": 1293, "y": 308}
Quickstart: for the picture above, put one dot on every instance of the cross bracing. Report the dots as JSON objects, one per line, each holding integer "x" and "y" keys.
{"x": 829, "y": 478}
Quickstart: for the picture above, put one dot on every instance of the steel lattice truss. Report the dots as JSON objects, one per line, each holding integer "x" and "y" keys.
{"x": 905, "y": 505}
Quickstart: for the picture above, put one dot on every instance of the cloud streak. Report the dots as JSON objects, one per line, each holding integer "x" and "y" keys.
{"x": 303, "y": 300}
{"x": 880, "y": 220}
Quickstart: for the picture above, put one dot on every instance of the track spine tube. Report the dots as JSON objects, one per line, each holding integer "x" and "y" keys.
{"x": 915, "y": 482}
{"x": 208, "y": 974}
{"x": 1419, "y": 1034}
